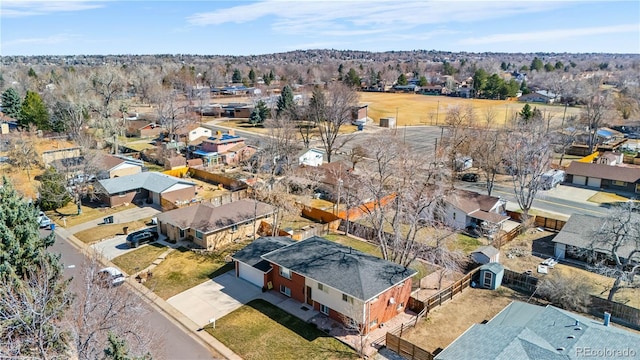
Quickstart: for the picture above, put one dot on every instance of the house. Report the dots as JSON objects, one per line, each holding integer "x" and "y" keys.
{"x": 50, "y": 156}
{"x": 343, "y": 283}
{"x": 311, "y": 157}
{"x": 464, "y": 208}
{"x": 359, "y": 114}
{"x": 606, "y": 176}
{"x": 228, "y": 149}
{"x": 576, "y": 239}
{"x": 411, "y": 88}
{"x": 486, "y": 254}
{"x": 198, "y": 133}
{"x": 151, "y": 187}
{"x": 143, "y": 129}
{"x": 527, "y": 331}
{"x": 541, "y": 96}
{"x": 210, "y": 226}
{"x": 112, "y": 166}
{"x": 491, "y": 275}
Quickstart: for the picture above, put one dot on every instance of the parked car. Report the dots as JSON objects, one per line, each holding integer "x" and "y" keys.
{"x": 43, "y": 220}
{"x": 471, "y": 177}
{"x": 110, "y": 276}
{"x": 139, "y": 237}
{"x": 81, "y": 179}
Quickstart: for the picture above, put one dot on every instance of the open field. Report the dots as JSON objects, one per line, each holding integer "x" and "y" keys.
{"x": 259, "y": 330}
{"x": 412, "y": 109}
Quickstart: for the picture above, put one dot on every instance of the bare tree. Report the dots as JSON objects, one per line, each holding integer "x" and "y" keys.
{"x": 596, "y": 106}
{"x": 618, "y": 238}
{"x": 23, "y": 153}
{"x": 330, "y": 111}
{"x": 570, "y": 292}
{"x": 528, "y": 156}
{"x": 99, "y": 309}
{"x": 565, "y": 137}
{"x": 460, "y": 121}
{"x": 488, "y": 153}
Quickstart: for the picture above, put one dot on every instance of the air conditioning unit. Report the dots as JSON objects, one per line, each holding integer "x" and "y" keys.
{"x": 392, "y": 301}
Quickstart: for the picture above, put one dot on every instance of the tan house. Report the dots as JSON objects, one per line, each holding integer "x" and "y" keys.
{"x": 209, "y": 226}
{"x": 113, "y": 166}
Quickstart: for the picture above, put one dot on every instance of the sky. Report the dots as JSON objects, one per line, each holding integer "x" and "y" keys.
{"x": 212, "y": 27}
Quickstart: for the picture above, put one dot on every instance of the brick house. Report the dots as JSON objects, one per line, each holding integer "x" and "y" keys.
{"x": 150, "y": 187}
{"x": 338, "y": 281}
{"x": 209, "y": 226}
{"x": 604, "y": 175}
{"x": 226, "y": 149}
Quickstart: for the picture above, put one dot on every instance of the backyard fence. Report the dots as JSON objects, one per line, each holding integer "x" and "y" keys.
{"x": 520, "y": 282}
{"x": 442, "y": 296}
{"x": 406, "y": 349}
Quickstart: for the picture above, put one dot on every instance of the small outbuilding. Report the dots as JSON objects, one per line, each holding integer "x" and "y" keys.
{"x": 491, "y": 275}
{"x": 486, "y": 254}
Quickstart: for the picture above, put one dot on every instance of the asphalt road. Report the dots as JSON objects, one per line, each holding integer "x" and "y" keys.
{"x": 177, "y": 344}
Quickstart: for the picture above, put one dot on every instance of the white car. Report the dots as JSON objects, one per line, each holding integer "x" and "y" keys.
{"x": 110, "y": 276}
{"x": 43, "y": 220}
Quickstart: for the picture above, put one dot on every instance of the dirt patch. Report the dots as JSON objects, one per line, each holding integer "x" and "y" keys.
{"x": 445, "y": 323}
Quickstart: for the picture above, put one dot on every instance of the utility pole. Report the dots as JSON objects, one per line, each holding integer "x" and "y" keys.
{"x": 437, "y": 112}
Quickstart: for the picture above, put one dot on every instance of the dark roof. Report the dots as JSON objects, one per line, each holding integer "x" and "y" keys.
{"x": 252, "y": 253}
{"x": 526, "y": 331}
{"x": 579, "y": 231}
{"x": 602, "y": 171}
{"x": 206, "y": 217}
{"x": 350, "y": 271}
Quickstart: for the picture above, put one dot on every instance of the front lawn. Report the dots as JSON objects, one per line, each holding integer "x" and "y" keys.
{"x": 70, "y": 214}
{"x": 107, "y": 231}
{"x": 139, "y": 259}
{"x": 184, "y": 269}
{"x": 259, "y": 330}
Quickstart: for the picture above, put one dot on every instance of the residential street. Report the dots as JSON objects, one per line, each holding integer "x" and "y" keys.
{"x": 177, "y": 344}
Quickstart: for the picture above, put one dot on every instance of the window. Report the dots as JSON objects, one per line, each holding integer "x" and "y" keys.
{"x": 347, "y": 298}
{"x": 324, "y": 309}
{"x": 181, "y": 233}
{"x": 619, "y": 183}
{"x": 199, "y": 234}
{"x": 400, "y": 306}
{"x": 234, "y": 228}
{"x": 454, "y": 215}
{"x": 122, "y": 194}
{"x": 285, "y": 273}
{"x": 373, "y": 323}
{"x": 638, "y": 188}
{"x": 285, "y": 290}
{"x": 323, "y": 288}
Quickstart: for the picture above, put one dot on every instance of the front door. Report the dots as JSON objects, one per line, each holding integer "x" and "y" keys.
{"x": 309, "y": 299}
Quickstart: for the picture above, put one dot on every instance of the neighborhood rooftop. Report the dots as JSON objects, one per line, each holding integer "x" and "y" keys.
{"x": 152, "y": 181}
{"x": 252, "y": 254}
{"x": 621, "y": 173}
{"x": 348, "y": 270}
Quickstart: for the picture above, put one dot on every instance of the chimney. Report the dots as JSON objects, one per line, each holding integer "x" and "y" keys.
{"x": 607, "y": 318}
{"x": 232, "y": 132}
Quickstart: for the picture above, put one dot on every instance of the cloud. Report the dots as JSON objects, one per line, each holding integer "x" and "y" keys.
{"x": 546, "y": 35}
{"x": 18, "y": 8}
{"x": 342, "y": 18}
{"x": 49, "y": 40}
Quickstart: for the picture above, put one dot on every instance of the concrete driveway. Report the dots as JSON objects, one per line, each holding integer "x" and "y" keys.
{"x": 215, "y": 298}
{"x": 112, "y": 248}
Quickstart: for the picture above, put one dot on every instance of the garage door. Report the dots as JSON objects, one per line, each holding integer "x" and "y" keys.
{"x": 594, "y": 182}
{"x": 579, "y": 180}
{"x": 251, "y": 274}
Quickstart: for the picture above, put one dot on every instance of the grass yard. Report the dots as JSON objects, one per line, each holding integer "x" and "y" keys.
{"x": 184, "y": 269}
{"x": 606, "y": 198}
{"x": 359, "y": 245}
{"x": 107, "y": 231}
{"x": 445, "y": 323}
{"x": 70, "y": 212}
{"x": 412, "y": 109}
{"x": 259, "y": 330}
{"x": 139, "y": 259}
{"x": 466, "y": 243}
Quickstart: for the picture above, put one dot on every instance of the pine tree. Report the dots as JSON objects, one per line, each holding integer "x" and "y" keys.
{"x": 259, "y": 114}
{"x": 53, "y": 190}
{"x": 402, "y": 79}
{"x": 11, "y": 103}
{"x": 252, "y": 76}
{"x": 236, "y": 77}
{"x": 34, "y": 111}
{"x": 526, "y": 114}
{"x": 286, "y": 105}
{"x": 352, "y": 79}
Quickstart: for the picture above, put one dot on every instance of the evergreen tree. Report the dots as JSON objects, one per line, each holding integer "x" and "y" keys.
{"x": 34, "y": 111}
{"x": 11, "y": 103}
{"x": 117, "y": 349}
{"x": 536, "y": 64}
{"x": 479, "y": 81}
{"x": 236, "y": 77}
{"x": 252, "y": 76}
{"x": 266, "y": 79}
{"x": 259, "y": 114}
{"x": 524, "y": 88}
{"x": 423, "y": 81}
{"x": 271, "y": 75}
{"x": 548, "y": 67}
{"x": 526, "y": 113}
{"x": 340, "y": 72}
{"x": 53, "y": 190}
{"x": 286, "y": 105}
{"x": 503, "y": 66}
{"x": 402, "y": 79}
{"x": 448, "y": 69}
{"x": 352, "y": 79}
{"x": 32, "y": 73}
{"x": 559, "y": 65}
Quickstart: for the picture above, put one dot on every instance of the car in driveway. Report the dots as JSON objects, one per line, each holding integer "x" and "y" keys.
{"x": 139, "y": 237}
{"x": 470, "y": 177}
{"x": 110, "y": 276}
{"x": 43, "y": 220}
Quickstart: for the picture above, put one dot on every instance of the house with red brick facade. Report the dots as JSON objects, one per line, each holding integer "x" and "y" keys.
{"x": 150, "y": 187}
{"x": 228, "y": 149}
{"x": 343, "y": 283}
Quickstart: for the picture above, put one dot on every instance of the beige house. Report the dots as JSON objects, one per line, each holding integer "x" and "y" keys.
{"x": 113, "y": 166}
{"x": 209, "y": 226}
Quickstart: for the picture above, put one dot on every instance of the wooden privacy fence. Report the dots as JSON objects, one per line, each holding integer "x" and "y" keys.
{"x": 406, "y": 349}
{"x": 444, "y": 295}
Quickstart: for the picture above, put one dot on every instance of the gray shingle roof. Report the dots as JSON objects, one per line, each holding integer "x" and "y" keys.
{"x": 252, "y": 253}
{"x": 152, "y": 181}
{"x": 487, "y": 250}
{"x": 206, "y": 217}
{"x": 350, "y": 271}
{"x": 526, "y": 331}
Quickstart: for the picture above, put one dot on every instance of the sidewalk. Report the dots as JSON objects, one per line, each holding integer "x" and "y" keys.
{"x": 161, "y": 305}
